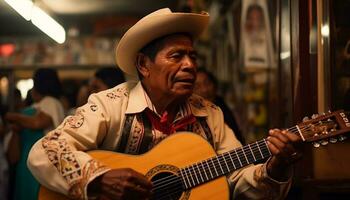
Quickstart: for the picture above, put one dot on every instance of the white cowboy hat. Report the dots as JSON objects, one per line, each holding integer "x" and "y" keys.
{"x": 157, "y": 24}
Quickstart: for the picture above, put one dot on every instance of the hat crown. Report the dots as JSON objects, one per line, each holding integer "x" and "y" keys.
{"x": 155, "y": 25}
{"x": 159, "y": 12}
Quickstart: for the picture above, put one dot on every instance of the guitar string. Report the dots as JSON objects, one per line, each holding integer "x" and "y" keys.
{"x": 188, "y": 169}
{"x": 180, "y": 189}
{"x": 164, "y": 194}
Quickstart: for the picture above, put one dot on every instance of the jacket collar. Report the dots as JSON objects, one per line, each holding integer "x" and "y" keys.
{"x": 139, "y": 101}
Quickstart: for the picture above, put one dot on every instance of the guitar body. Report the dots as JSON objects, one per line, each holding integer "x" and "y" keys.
{"x": 176, "y": 151}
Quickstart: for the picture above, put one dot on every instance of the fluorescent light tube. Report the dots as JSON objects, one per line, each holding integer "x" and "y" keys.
{"x": 23, "y": 7}
{"x": 48, "y": 25}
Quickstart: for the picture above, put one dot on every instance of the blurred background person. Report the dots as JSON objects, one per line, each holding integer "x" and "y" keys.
{"x": 206, "y": 86}
{"x": 103, "y": 79}
{"x": 4, "y": 168}
{"x": 32, "y": 123}
{"x": 106, "y": 78}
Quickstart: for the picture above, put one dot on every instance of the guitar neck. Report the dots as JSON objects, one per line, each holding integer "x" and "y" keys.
{"x": 223, "y": 164}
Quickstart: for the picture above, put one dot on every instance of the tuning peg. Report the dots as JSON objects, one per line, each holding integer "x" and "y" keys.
{"x": 316, "y": 144}
{"x": 342, "y": 138}
{"x": 314, "y": 116}
{"x": 306, "y": 119}
{"x": 324, "y": 142}
{"x": 333, "y": 140}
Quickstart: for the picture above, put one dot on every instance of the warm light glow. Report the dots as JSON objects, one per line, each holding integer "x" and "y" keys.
{"x": 24, "y": 85}
{"x": 23, "y": 7}
{"x": 4, "y": 86}
{"x": 7, "y": 49}
{"x": 39, "y": 18}
{"x": 325, "y": 30}
{"x": 48, "y": 25}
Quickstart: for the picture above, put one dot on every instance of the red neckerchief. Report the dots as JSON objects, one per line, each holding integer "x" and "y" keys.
{"x": 162, "y": 124}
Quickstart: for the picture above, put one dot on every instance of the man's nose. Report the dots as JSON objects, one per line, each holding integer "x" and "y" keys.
{"x": 189, "y": 63}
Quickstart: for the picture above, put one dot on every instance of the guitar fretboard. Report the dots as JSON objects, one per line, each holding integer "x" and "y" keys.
{"x": 223, "y": 164}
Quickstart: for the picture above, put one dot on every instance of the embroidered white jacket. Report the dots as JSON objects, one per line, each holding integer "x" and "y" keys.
{"x": 60, "y": 163}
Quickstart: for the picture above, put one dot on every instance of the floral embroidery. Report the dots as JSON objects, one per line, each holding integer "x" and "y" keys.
{"x": 76, "y": 120}
{"x": 118, "y": 93}
{"x": 90, "y": 170}
{"x": 136, "y": 135}
{"x": 93, "y": 107}
{"x": 62, "y": 157}
{"x": 201, "y": 103}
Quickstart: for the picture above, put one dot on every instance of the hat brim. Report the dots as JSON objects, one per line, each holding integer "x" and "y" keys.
{"x": 151, "y": 28}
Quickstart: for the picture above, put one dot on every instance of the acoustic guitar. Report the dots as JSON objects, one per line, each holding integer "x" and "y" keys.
{"x": 184, "y": 166}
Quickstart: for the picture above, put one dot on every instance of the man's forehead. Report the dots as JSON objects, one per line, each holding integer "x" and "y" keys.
{"x": 177, "y": 41}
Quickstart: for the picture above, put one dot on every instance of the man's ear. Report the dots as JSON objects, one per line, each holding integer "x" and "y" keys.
{"x": 141, "y": 64}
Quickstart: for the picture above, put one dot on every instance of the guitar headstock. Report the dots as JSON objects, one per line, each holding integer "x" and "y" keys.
{"x": 322, "y": 127}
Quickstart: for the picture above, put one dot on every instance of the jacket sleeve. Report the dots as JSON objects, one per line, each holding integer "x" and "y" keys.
{"x": 58, "y": 160}
{"x": 251, "y": 182}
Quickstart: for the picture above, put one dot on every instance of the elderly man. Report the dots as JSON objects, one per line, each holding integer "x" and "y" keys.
{"x": 134, "y": 117}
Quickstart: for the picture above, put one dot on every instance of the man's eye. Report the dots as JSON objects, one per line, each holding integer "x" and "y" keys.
{"x": 176, "y": 55}
{"x": 193, "y": 56}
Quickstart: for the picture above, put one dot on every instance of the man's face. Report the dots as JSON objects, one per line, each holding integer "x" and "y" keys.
{"x": 173, "y": 71}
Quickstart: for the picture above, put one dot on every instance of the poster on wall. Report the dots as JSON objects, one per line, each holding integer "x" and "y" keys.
{"x": 256, "y": 38}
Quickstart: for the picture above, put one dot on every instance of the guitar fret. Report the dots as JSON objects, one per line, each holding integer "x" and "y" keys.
{"x": 222, "y": 170}
{"x": 205, "y": 173}
{"x": 252, "y": 152}
{"x": 195, "y": 174}
{"x": 228, "y": 168}
{"x": 200, "y": 173}
{"x": 183, "y": 178}
{"x": 256, "y": 151}
{"x": 189, "y": 181}
{"x": 257, "y": 144}
{"x": 299, "y": 131}
{"x": 245, "y": 155}
{"x": 194, "y": 183}
{"x": 217, "y": 174}
{"x": 248, "y": 153}
{"x": 238, "y": 158}
{"x": 266, "y": 147}
{"x": 233, "y": 163}
{"x": 209, "y": 169}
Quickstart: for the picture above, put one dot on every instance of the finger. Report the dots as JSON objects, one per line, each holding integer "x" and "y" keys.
{"x": 138, "y": 190}
{"x": 291, "y": 136}
{"x": 279, "y": 148}
{"x": 288, "y": 139}
{"x": 111, "y": 192}
{"x": 141, "y": 180}
{"x": 278, "y": 134}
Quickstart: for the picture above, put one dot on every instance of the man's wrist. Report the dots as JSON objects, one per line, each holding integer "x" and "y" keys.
{"x": 278, "y": 171}
{"x": 94, "y": 188}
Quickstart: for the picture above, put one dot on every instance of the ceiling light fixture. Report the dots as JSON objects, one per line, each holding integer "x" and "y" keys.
{"x": 39, "y": 18}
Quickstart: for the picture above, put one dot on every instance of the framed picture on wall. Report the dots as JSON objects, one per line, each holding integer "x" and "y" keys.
{"x": 256, "y": 38}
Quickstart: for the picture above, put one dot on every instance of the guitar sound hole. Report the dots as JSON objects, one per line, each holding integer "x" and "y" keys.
{"x": 166, "y": 186}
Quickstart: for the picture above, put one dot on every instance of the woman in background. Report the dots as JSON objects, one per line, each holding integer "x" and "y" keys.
{"x": 32, "y": 123}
